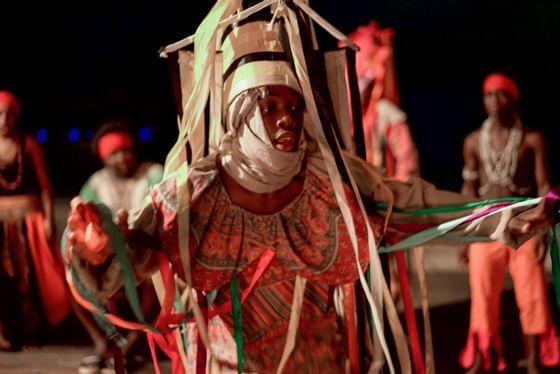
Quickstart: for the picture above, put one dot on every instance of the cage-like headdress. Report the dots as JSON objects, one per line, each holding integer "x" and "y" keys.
{"x": 273, "y": 42}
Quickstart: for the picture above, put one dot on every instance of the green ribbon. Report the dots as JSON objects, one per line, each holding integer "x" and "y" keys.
{"x": 442, "y": 229}
{"x": 129, "y": 277}
{"x": 450, "y": 208}
{"x": 237, "y": 323}
{"x": 110, "y": 330}
{"x": 555, "y": 258}
{"x": 119, "y": 248}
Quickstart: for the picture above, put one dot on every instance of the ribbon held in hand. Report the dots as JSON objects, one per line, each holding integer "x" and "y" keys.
{"x": 86, "y": 233}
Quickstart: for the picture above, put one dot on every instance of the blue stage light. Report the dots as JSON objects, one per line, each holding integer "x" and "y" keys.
{"x": 146, "y": 134}
{"x": 42, "y": 135}
{"x": 73, "y": 135}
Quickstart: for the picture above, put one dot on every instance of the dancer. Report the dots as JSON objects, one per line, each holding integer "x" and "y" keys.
{"x": 31, "y": 276}
{"x": 505, "y": 158}
{"x": 267, "y": 212}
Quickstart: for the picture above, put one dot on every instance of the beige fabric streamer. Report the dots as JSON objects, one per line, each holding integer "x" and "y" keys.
{"x": 295, "y": 313}
{"x": 216, "y": 131}
{"x": 192, "y": 129}
{"x": 375, "y": 295}
{"x": 335, "y": 63}
{"x": 186, "y": 78}
{"x": 192, "y": 126}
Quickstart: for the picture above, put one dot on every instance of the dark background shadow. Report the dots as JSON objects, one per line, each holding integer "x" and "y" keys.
{"x": 72, "y": 65}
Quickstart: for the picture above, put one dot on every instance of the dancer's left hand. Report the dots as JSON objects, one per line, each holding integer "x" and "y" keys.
{"x": 535, "y": 220}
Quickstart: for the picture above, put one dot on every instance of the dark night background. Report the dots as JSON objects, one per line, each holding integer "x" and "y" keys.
{"x": 72, "y": 65}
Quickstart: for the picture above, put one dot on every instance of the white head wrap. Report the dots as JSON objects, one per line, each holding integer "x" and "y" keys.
{"x": 247, "y": 153}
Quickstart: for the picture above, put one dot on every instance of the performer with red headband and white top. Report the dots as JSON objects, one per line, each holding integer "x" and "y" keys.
{"x": 122, "y": 184}
{"x": 505, "y": 158}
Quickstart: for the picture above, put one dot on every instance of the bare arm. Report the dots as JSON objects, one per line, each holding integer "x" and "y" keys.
{"x": 542, "y": 168}
{"x": 538, "y": 144}
{"x": 418, "y": 194}
{"x": 470, "y": 158}
{"x": 404, "y": 150}
{"x": 415, "y": 193}
{"x": 33, "y": 148}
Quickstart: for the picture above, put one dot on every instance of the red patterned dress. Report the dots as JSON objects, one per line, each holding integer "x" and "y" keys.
{"x": 308, "y": 238}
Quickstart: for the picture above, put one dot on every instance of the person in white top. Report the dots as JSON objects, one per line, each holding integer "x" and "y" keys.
{"x": 121, "y": 185}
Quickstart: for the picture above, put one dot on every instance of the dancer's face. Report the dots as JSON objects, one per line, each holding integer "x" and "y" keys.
{"x": 282, "y": 112}
{"x": 7, "y": 119}
{"x": 122, "y": 162}
{"x": 499, "y": 104}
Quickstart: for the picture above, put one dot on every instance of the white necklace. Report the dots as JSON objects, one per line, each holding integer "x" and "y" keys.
{"x": 500, "y": 166}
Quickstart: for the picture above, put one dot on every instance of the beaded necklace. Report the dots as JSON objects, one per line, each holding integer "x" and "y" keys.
{"x": 500, "y": 166}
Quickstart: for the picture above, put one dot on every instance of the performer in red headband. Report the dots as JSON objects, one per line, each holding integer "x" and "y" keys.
{"x": 112, "y": 142}
{"x": 8, "y": 98}
{"x": 121, "y": 184}
{"x": 505, "y": 158}
{"x": 30, "y": 270}
{"x": 499, "y": 81}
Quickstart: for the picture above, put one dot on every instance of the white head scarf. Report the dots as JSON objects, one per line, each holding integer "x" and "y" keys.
{"x": 247, "y": 153}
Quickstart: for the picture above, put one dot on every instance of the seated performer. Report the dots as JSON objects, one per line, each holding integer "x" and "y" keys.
{"x": 122, "y": 184}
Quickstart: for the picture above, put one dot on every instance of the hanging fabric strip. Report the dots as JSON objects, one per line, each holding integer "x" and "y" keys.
{"x": 192, "y": 123}
{"x": 88, "y": 300}
{"x": 168, "y": 344}
{"x": 237, "y": 323}
{"x": 348, "y": 292}
{"x": 166, "y": 341}
{"x": 183, "y": 203}
{"x": 375, "y": 296}
{"x": 264, "y": 261}
{"x": 411, "y": 324}
{"x": 192, "y": 132}
{"x": 418, "y": 253}
{"x": 555, "y": 259}
{"x": 553, "y": 198}
{"x": 119, "y": 248}
{"x": 293, "y": 324}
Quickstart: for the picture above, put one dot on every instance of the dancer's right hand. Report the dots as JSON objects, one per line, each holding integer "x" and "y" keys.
{"x": 85, "y": 234}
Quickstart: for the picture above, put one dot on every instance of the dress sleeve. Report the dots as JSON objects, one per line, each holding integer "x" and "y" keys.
{"x": 417, "y": 193}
